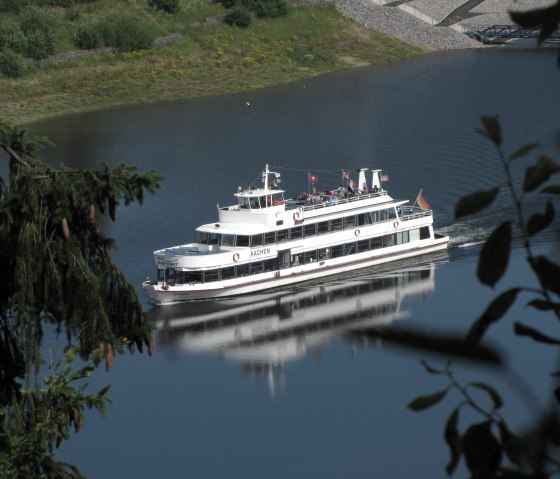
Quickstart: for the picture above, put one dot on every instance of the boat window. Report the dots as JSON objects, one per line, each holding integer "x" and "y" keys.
{"x": 256, "y": 267}
{"x": 270, "y": 237}
{"x": 323, "y": 227}
{"x": 170, "y": 276}
{"x": 374, "y": 216}
{"x": 228, "y": 273}
{"x": 424, "y": 232}
{"x": 296, "y": 233}
{"x": 402, "y": 237}
{"x": 392, "y": 213}
{"x": 242, "y": 269}
{"x": 349, "y": 222}
{"x": 278, "y": 199}
{"x": 213, "y": 238}
{"x": 227, "y": 240}
{"x": 242, "y": 240}
{"x": 160, "y": 275}
{"x": 324, "y": 253}
{"x": 336, "y": 225}
{"x": 310, "y": 256}
{"x": 297, "y": 259}
{"x": 362, "y": 219}
{"x": 244, "y": 202}
{"x": 310, "y": 229}
{"x": 201, "y": 237}
{"x": 254, "y": 203}
{"x": 338, "y": 251}
{"x": 389, "y": 240}
{"x": 193, "y": 277}
{"x": 262, "y": 201}
{"x": 349, "y": 248}
{"x": 376, "y": 243}
{"x": 270, "y": 264}
{"x": 282, "y": 236}
{"x": 257, "y": 240}
{"x": 363, "y": 245}
{"x": 211, "y": 275}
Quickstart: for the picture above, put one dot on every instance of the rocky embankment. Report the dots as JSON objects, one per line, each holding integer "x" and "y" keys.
{"x": 398, "y": 24}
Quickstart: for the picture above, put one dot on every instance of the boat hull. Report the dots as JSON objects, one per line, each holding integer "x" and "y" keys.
{"x": 166, "y": 294}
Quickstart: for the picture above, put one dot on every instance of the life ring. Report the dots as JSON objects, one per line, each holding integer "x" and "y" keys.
{"x": 296, "y": 216}
{"x": 396, "y": 224}
{"x": 165, "y": 286}
{"x": 357, "y": 232}
{"x": 236, "y": 257}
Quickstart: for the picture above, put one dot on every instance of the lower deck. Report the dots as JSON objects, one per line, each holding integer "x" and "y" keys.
{"x": 288, "y": 267}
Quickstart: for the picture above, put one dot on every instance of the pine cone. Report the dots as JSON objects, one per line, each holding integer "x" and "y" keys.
{"x": 92, "y": 214}
{"x": 65, "y": 229}
{"x": 100, "y": 353}
{"x": 109, "y": 357}
{"x": 77, "y": 419}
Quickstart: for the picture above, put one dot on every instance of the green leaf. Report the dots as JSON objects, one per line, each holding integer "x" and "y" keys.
{"x": 494, "y": 256}
{"x": 453, "y": 440}
{"x": 492, "y": 129}
{"x": 544, "y": 305}
{"x": 431, "y": 369}
{"x": 552, "y": 189}
{"x": 538, "y": 221}
{"x": 445, "y": 344}
{"x": 547, "y": 272}
{"x": 513, "y": 446}
{"x": 523, "y": 151}
{"x": 475, "y": 202}
{"x": 104, "y": 390}
{"x": 545, "y": 18}
{"x": 541, "y": 171}
{"x": 495, "y": 310}
{"x": 482, "y": 450}
{"x": 496, "y": 399}
{"x": 522, "y": 330}
{"x": 424, "y": 402}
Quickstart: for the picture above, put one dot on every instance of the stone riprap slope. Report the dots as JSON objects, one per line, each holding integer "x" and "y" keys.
{"x": 421, "y": 22}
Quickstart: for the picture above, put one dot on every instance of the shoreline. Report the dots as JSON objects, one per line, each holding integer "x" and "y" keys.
{"x": 115, "y": 80}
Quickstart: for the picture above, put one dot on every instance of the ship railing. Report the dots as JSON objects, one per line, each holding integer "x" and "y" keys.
{"x": 412, "y": 212}
{"x": 327, "y": 203}
{"x": 181, "y": 251}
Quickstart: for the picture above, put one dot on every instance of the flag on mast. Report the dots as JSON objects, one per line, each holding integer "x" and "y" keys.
{"x": 421, "y": 201}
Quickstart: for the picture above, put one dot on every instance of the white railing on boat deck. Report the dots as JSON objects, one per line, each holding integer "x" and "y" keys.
{"x": 326, "y": 204}
{"x": 412, "y": 212}
{"x": 178, "y": 251}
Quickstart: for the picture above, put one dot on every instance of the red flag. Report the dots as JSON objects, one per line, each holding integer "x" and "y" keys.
{"x": 313, "y": 179}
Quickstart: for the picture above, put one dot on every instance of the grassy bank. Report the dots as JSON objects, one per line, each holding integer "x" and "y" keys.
{"x": 207, "y": 60}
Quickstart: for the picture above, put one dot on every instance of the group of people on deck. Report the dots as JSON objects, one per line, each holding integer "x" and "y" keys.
{"x": 340, "y": 193}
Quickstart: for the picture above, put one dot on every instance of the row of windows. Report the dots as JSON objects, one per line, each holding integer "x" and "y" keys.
{"x": 297, "y": 232}
{"x": 173, "y": 277}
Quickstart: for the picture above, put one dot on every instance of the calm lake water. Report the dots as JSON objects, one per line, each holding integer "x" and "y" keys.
{"x": 271, "y": 385}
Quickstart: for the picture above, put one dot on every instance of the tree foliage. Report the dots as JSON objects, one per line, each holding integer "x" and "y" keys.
{"x": 58, "y": 273}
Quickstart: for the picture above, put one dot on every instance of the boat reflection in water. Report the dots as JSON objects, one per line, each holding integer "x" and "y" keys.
{"x": 265, "y": 331}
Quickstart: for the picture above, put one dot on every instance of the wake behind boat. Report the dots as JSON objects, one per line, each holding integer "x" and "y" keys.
{"x": 265, "y": 241}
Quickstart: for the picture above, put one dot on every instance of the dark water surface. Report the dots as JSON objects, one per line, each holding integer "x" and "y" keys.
{"x": 270, "y": 386}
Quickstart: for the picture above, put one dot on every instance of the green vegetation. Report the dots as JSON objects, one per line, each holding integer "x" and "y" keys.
{"x": 209, "y": 57}
{"x": 70, "y": 285}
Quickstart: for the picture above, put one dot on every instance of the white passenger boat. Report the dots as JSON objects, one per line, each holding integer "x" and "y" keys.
{"x": 266, "y": 241}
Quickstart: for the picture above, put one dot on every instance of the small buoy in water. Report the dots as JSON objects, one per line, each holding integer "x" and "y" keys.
{"x": 247, "y": 103}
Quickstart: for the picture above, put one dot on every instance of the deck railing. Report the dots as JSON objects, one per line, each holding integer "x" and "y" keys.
{"x": 291, "y": 204}
{"x": 412, "y": 212}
